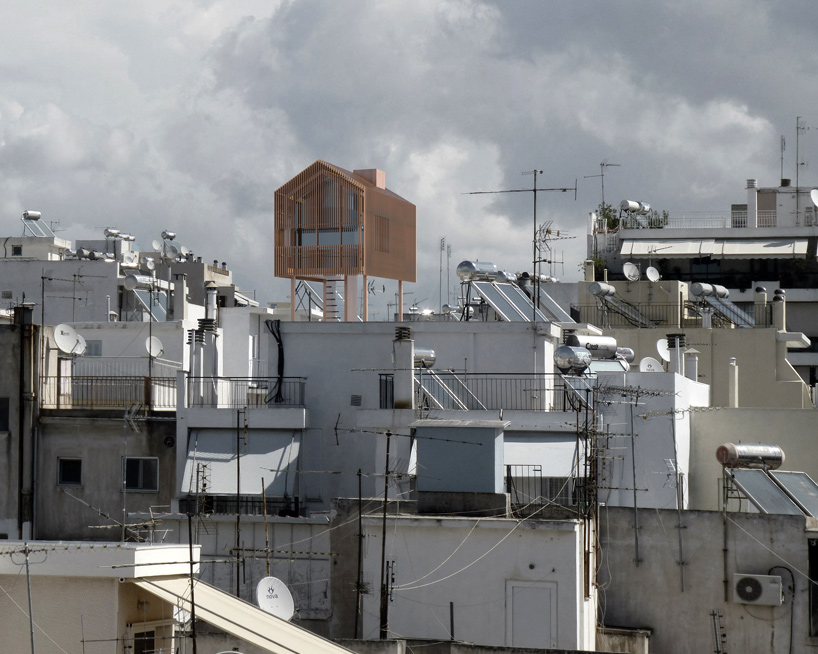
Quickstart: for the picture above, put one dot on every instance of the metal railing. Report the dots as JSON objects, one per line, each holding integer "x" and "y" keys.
{"x": 243, "y": 505}
{"x": 530, "y": 491}
{"x": 239, "y": 392}
{"x": 446, "y": 389}
{"x": 100, "y": 392}
{"x": 661, "y": 316}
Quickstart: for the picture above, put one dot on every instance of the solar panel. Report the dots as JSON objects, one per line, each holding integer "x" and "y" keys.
{"x": 800, "y": 487}
{"x": 729, "y": 310}
{"x": 763, "y": 493}
{"x": 521, "y": 301}
{"x": 509, "y": 301}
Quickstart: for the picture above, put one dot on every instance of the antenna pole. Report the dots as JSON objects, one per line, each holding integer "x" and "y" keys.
{"x": 534, "y": 189}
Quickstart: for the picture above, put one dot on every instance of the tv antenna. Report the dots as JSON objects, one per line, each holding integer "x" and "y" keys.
{"x": 534, "y": 189}
{"x": 602, "y": 166}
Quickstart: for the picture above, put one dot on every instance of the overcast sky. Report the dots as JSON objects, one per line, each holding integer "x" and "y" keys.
{"x": 188, "y": 115}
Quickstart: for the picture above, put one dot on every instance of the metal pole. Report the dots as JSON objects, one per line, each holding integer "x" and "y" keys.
{"x": 384, "y": 617}
{"x": 238, "y": 498}
{"x": 30, "y": 614}
{"x": 192, "y": 601}
{"x": 358, "y": 596}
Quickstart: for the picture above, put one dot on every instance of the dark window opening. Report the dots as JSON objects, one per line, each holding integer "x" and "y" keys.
{"x": 141, "y": 474}
{"x": 69, "y": 472}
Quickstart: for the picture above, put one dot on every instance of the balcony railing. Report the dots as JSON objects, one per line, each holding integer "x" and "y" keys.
{"x": 660, "y": 316}
{"x": 100, "y": 392}
{"x": 449, "y": 390}
{"x": 240, "y": 392}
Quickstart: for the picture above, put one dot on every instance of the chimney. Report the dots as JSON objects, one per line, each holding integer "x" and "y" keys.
{"x": 692, "y": 364}
{"x": 732, "y": 384}
{"x": 780, "y": 310}
{"x": 373, "y": 176}
{"x": 675, "y": 345}
{"x": 752, "y": 203}
{"x": 403, "y": 359}
{"x": 760, "y": 306}
{"x": 589, "y": 271}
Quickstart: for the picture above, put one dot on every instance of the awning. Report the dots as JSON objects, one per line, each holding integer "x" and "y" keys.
{"x": 237, "y": 617}
{"x": 760, "y": 248}
{"x": 268, "y": 454}
{"x": 554, "y": 454}
{"x": 669, "y": 249}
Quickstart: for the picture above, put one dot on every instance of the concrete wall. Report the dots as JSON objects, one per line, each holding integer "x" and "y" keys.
{"x": 100, "y": 443}
{"x": 10, "y": 344}
{"x": 66, "y": 610}
{"x": 795, "y": 431}
{"x": 763, "y": 380}
{"x": 641, "y": 433}
{"x": 506, "y": 582}
{"x": 675, "y": 601}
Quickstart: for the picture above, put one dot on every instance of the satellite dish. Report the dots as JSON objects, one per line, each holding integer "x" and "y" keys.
{"x": 149, "y": 263}
{"x": 662, "y": 349}
{"x": 631, "y": 271}
{"x": 171, "y": 251}
{"x": 156, "y": 245}
{"x": 154, "y": 346}
{"x": 652, "y": 274}
{"x": 130, "y": 282}
{"x": 649, "y": 364}
{"x": 274, "y": 597}
{"x": 129, "y": 258}
{"x": 184, "y": 251}
{"x": 813, "y": 195}
{"x": 67, "y": 340}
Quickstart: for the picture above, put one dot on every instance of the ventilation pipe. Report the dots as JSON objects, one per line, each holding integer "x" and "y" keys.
{"x": 403, "y": 359}
{"x": 675, "y": 345}
{"x": 211, "y": 294}
{"x": 752, "y": 203}
{"x": 732, "y": 384}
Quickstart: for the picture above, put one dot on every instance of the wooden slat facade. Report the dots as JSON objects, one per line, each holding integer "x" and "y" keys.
{"x": 330, "y": 222}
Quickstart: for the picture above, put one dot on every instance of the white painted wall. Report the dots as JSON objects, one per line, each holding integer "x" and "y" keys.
{"x": 511, "y": 582}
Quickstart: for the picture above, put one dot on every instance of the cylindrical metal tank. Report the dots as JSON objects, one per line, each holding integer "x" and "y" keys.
{"x": 709, "y": 289}
{"x": 758, "y": 455}
{"x": 601, "y": 289}
{"x": 470, "y": 270}
{"x": 570, "y": 359}
{"x": 626, "y": 353}
{"x": 600, "y": 347}
{"x": 424, "y": 357}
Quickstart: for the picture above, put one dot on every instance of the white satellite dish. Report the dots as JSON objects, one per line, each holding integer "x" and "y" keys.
{"x": 154, "y": 346}
{"x": 171, "y": 252}
{"x": 156, "y": 245}
{"x": 649, "y": 364}
{"x": 274, "y": 597}
{"x": 184, "y": 251}
{"x": 662, "y": 349}
{"x": 68, "y": 340}
{"x": 813, "y": 195}
{"x": 149, "y": 263}
{"x": 631, "y": 271}
{"x": 652, "y": 274}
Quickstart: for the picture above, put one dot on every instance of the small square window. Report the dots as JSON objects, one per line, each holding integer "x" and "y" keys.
{"x": 141, "y": 474}
{"x": 7, "y": 295}
{"x": 69, "y": 472}
{"x": 93, "y": 348}
{"x": 17, "y": 250}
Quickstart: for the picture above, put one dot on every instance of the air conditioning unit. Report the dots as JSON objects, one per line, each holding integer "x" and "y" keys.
{"x": 765, "y": 590}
